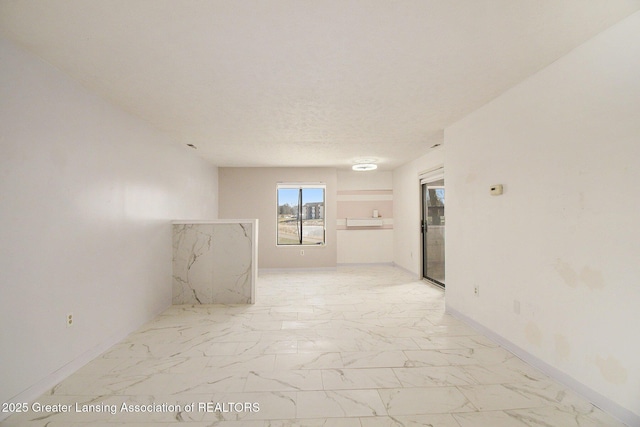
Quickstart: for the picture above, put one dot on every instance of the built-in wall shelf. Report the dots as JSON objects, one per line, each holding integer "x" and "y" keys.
{"x": 364, "y": 222}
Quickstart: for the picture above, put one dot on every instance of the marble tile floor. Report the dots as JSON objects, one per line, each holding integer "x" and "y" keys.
{"x": 356, "y": 347}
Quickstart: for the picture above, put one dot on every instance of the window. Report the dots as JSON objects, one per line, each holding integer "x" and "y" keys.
{"x": 301, "y": 214}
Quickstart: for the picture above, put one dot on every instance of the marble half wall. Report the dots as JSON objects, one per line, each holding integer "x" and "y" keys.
{"x": 215, "y": 262}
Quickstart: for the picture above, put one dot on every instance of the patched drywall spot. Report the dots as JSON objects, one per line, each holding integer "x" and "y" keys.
{"x": 611, "y": 370}
{"x": 592, "y": 278}
{"x": 533, "y": 334}
{"x": 563, "y": 348}
{"x": 567, "y": 273}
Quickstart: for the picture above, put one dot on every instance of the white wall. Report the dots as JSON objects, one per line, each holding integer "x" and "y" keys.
{"x": 251, "y": 193}
{"x": 564, "y": 239}
{"x": 87, "y": 194}
{"x": 407, "y": 249}
{"x": 370, "y": 180}
{"x": 358, "y": 194}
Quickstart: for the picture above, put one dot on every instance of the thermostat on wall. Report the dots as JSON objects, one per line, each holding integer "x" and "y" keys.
{"x": 496, "y": 190}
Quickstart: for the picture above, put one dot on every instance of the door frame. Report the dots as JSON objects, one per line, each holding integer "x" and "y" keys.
{"x": 425, "y": 178}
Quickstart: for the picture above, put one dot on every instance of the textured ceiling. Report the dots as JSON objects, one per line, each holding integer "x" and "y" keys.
{"x": 302, "y": 82}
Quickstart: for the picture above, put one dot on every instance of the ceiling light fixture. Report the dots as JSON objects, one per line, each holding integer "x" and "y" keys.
{"x": 361, "y": 167}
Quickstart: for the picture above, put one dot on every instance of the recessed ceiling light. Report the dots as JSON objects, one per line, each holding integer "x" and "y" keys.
{"x": 361, "y": 167}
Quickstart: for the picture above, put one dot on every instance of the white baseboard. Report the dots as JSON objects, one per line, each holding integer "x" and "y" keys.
{"x": 365, "y": 264}
{"x": 345, "y": 264}
{"x": 295, "y": 269}
{"x": 47, "y": 383}
{"x": 597, "y": 399}
{"x": 414, "y": 276}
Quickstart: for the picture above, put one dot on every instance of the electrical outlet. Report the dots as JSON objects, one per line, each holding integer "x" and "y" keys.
{"x": 301, "y": 252}
{"x": 69, "y": 320}
{"x": 476, "y": 290}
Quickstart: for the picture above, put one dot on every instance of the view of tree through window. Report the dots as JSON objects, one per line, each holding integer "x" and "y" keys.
{"x": 300, "y": 215}
{"x": 435, "y": 202}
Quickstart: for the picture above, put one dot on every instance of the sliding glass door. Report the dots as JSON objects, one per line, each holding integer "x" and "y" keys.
{"x": 433, "y": 232}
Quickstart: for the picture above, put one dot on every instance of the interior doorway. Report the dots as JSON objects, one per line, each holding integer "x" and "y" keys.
{"x": 433, "y": 230}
